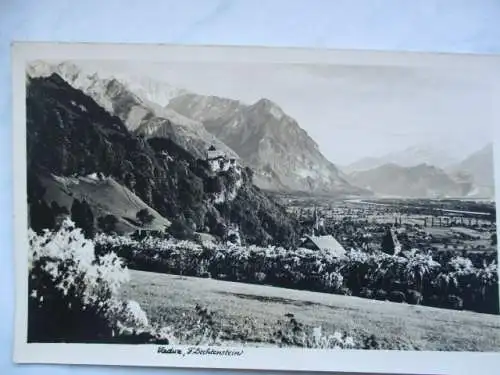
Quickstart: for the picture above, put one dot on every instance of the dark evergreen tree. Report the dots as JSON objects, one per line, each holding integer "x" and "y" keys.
{"x": 76, "y": 212}
{"x": 89, "y": 227}
{"x": 107, "y": 223}
{"x": 58, "y": 210}
{"x": 388, "y": 245}
{"x": 220, "y": 230}
{"x": 144, "y": 216}
{"x": 41, "y": 216}
{"x": 180, "y": 229}
{"x": 82, "y": 216}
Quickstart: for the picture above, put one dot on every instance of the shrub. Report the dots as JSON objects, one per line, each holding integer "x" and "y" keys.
{"x": 181, "y": 230}
{"x": 199, "y": 328}
{"x": 454, "y": 302}
{"x": 144, "y": 216}
{"x": 381, "y": 295}
{"x": 260, "y": 277}
{"x": 332, "y": 282}
{"x": 371, "y": 343}
{"x": 133, "y": 315}
{"x": 337, "y": 340}
{"x": 413, "y": 297}
{"x": 396, "y": 296}
{"x": 82, "y": 216}
{"x": 368, "y": 275}
{"x": 388, "y": 245}
{"x": 366, "y": 293}
{"x": 73, "y": 293}
{"x": 214, "y": 184}
{"x": 107, "y": 223}
{"x": 291, "y": 332}
{"x": 345, "y": 291}
{"x": 433, "y": 300}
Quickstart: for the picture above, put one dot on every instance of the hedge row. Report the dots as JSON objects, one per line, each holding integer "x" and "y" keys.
{"x": 417, "y": 278}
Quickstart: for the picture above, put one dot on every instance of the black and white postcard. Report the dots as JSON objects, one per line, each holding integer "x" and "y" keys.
{"x": 255, "y": 208}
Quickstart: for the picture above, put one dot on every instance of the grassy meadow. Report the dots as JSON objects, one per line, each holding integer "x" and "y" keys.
{"x": 260, "y": 315}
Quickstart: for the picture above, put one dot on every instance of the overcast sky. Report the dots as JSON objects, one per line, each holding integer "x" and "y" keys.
{"x": 351, "y": 111}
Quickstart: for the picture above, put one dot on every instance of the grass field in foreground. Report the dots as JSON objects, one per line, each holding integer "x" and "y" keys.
{"x": 250, "y": 313}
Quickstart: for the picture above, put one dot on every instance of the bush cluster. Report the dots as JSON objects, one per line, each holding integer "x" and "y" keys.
{"x": 73, "y": 294}
{"x": 74, "y": 298}
{"x": 415, "y": 279}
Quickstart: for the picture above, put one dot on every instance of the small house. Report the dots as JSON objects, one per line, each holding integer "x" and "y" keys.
{"x": 328, "y": 243}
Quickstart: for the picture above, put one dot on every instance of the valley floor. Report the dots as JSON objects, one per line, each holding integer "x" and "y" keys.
{"x": 249, "y": 314}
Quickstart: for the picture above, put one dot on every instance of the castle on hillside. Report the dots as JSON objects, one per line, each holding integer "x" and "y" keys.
{"x": 214, "y": 154}
{"x": 218, "y": 160}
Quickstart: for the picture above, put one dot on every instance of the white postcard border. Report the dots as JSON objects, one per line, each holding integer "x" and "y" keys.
{"x": 408, "y": 362}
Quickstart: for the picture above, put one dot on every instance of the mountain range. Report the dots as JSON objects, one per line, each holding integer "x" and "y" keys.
{"x": 261, "y": 136}
{"x": 480, "y": 167}
{"x": 77, "y": 150}
{"x": 282, "y": 154}
{"x": 131, "y": 100}
{"x": 408, "y": 157}
{"x": 426, "y": 172}
{"x": 421, "y": 181}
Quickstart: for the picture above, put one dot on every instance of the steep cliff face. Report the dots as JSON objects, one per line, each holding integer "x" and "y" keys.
{"x": 70, "y": 135}
{"x": 272, "y": 143}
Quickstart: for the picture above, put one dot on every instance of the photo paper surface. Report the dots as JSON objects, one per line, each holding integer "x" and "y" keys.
{"x": 255, "y": 208}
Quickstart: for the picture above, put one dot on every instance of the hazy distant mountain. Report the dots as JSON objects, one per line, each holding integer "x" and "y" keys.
{"x": 364, "y": 164}
{"x": 138, "y": 103}
{"x": 422, "y": 181}
{"x": 409, "y": 157}
{"x": 281, "y": 153}
{"x": 480, "y": 167}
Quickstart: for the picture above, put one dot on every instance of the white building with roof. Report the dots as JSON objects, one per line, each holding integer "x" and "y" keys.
{"x": 327, "y": 243}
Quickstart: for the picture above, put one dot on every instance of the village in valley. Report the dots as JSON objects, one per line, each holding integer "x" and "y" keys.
{"x": 398, "y": 226}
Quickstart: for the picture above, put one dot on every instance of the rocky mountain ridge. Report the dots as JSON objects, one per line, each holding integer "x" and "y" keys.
{"x": 272, "y": 143}
{"x": 69, "y": 135}
{"x": 130, "y": 101}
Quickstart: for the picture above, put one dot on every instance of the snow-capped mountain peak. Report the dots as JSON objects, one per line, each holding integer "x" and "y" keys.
{"x": 137, "y": 102}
